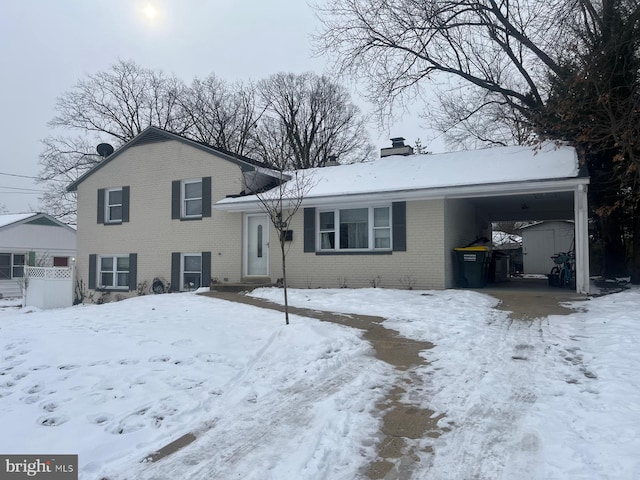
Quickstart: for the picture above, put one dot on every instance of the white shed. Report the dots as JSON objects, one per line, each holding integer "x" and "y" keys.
{"x": 32, "y": 239}
{"x": 542, "y": 240}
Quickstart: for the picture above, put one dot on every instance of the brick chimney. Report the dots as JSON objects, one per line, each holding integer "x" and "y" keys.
{"x": 397, "y": 148}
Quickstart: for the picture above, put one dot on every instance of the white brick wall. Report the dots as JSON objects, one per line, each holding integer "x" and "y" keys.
{"x": 151, "y": 233}
{"x": 423, "y": 262}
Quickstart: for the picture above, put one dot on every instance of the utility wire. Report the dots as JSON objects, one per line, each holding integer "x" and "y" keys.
{"x": 20, "y": 188}
{"x": 14, "y": 175}
{"x": 34, "y": 178}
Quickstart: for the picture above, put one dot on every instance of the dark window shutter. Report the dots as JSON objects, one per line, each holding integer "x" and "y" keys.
{"x": 175, "y": 271}
{"x": 206, "y": 197}
{"x": 206, "y": 269}
{"x": 133, "y": 271}
{"x": 309, "y": 229}
{"x": 175, "y": 199}
{"x": 101, "y": 205}
{"x": 93, "y": 260}
{"x": 125, "y": 204}
{"x": 399, "y": 213}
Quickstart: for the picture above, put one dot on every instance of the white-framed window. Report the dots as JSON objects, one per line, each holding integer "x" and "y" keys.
{"x": 113, "y": 205}
{"x": 358, "y": 228}
{"x": 11, "y": 265}
{"x": 192, "y": 198}
{"x": 18, "y": 265}
{"x": 382, "y": 227}
{"x": 113, "y": 271}
{"x": 191, "y": 271}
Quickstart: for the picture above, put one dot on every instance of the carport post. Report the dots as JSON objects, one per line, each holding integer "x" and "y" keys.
{"x": 581, "y": 238}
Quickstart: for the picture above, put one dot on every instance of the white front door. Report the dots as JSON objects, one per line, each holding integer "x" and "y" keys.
{"x": 257, "y": 245}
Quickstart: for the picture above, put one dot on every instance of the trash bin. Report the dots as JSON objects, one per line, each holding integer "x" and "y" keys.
{"x": 473, "y": 266}
{"x": 499, "y": 270}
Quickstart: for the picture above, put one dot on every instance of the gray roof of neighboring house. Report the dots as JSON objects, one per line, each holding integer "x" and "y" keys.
{"x": 38, "y": 218}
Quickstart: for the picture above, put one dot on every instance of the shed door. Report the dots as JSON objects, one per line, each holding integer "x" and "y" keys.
{"x": 540, "y": 245}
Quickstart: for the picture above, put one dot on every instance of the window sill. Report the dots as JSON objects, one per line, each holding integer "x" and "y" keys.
{"x": 187, "y": 219}
{"x": 119, "y": 222}
{"x": 355, "y": 252}
{"x": 112, "y": 289}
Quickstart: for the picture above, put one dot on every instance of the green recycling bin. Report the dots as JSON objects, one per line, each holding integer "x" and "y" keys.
{"x": 473, "y": 266}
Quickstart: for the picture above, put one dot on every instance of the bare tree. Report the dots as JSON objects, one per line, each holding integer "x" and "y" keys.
{"x": 122, "y": 102}
{"x": 313, "y": 118}
{"x": 497, "y": 66}
{"x": 64, "y": 160}
{"x": 281, "y": 204}
{"x": 223, "y": 115}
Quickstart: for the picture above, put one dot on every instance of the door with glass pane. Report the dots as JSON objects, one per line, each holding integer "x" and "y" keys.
{"x": 257, "y": 245}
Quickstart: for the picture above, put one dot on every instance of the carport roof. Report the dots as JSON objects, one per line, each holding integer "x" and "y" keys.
{"x": 437, "y": 172}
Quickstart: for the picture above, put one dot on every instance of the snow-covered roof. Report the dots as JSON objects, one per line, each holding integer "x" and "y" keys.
{"x": 8, "y": 219}
{"x": 500, "y": 238}
{"x": 456, "y": 169}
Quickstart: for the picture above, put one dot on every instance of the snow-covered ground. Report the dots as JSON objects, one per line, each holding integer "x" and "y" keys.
{"x": 554, "y": 398}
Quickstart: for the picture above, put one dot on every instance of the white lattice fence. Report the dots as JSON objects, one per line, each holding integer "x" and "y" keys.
{"x": 49, "y": 287}
{"x": 49, "y": 272}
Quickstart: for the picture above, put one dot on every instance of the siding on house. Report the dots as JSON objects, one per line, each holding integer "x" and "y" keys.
{"x": 423, "y": 261}
{"x": 151, "y": 233}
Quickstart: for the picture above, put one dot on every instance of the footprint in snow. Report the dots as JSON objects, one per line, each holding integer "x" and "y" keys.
{"x": 68, "y": 367}
{"x": 160, "y": 358}
{"x": 128, "y": 361}
{"x": 39, "y": 367}
{"x": 99, "y": 362}
{"x": 100, "y": 418}
{"x": 49, "y": 407}
{"x": 52, "y": 420}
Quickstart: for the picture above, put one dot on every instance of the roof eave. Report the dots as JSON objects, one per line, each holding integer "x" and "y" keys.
{"x": 251, "y": 203}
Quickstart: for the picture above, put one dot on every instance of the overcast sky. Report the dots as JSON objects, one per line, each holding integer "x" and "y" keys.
{"x": 46, "y": 46}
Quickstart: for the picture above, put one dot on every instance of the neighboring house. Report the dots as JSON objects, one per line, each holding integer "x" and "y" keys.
{"x": 32, "y": 239}
{"x": 163, "y": 206}
{"x": 542, "y": 240}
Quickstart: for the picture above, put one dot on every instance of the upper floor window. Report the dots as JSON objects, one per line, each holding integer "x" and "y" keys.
{"x": 113, "y": 205}
{"x": 114, "y": 272}
{"x": 192, "y": 198}
{"x": 367, "y": 228}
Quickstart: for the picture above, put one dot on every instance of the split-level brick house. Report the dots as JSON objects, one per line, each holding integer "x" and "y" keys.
{"x": 163, "y": 206}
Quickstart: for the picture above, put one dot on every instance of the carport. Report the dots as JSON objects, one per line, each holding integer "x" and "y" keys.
{"x": 557, "y": 199}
